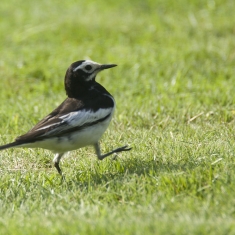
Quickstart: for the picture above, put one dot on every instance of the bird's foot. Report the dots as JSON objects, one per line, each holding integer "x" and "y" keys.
{"x": 124, "y": 148}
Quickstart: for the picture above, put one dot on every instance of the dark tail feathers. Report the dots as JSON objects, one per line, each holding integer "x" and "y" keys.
{"x": 6, "y": 146}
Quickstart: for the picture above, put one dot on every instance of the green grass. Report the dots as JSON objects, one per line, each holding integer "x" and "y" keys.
{"x": 174, "y": 88}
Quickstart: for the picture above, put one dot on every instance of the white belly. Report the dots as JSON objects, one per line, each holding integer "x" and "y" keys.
{"x": 72, "y": 141}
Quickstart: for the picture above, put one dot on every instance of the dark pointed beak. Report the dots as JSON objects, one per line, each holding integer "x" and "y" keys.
{"x": 107, "y": 66}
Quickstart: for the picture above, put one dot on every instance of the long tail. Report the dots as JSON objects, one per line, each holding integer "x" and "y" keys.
{"x": 11, "y": 145}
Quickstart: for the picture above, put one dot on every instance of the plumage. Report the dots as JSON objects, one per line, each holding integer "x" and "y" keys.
{"x": 79, "y": 121}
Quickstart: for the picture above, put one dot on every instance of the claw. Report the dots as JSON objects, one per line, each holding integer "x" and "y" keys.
{"x": 101, "y": 157}
{"x": 124, "y": 148}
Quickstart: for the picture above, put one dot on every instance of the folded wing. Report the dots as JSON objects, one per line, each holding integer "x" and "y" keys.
{"x": 65, "y": 120}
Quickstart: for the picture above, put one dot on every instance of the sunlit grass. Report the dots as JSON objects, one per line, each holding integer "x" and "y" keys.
{"x": 174, "y": 88}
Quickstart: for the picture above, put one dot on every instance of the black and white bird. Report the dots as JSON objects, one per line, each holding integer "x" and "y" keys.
{"x": 79, "y": 121}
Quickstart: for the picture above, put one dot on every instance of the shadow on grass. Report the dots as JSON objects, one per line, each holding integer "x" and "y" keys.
{"x": 121, "y": 170}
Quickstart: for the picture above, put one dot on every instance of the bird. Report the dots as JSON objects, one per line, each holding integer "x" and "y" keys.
{"x": 79, "y": 121}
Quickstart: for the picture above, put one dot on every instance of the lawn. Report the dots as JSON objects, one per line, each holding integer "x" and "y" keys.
{"x": 174, "y": 89}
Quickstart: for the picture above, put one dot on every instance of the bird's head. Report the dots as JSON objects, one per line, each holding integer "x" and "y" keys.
{"x": 81, "y": 74}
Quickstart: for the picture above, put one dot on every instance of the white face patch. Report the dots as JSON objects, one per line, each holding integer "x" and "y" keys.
{"x": 90, "y": 67}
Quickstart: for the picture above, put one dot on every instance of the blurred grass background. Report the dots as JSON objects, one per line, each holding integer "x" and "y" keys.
{"x": 174, "y": 88}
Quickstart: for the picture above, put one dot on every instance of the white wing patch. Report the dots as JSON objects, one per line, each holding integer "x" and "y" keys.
{"x": 77, "y": 119}
{"x": 83, "y": 117}
{"x": 48, "y": 126}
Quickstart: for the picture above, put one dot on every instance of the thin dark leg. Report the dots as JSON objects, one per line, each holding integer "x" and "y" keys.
{"x": 56, "y": 164}
{"x": 101, "y": 157}
{"x": 56, "y": 161}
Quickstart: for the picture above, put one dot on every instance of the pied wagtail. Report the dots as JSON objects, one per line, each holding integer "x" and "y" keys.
{"x": 79, "y": 121}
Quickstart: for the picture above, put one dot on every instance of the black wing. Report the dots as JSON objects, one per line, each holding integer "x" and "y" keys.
{"x": 72, "y": 115}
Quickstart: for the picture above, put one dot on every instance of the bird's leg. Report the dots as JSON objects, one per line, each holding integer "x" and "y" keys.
{"x": 56, "y": 161}
{"x": 101, "y": 157}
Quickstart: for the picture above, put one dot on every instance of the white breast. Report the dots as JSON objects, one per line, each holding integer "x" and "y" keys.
{"x": 81, "y": 138}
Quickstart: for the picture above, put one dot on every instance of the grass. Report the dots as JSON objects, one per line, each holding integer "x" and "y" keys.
{"x": 174, "y": 88}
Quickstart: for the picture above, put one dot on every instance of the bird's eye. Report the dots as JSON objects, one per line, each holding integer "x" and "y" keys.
{"x": 88, "y": 67}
